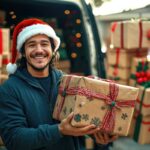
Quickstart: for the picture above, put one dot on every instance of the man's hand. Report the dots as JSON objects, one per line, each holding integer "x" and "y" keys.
{"x": 104, "y": 138}
{"x": 66, "y": 128}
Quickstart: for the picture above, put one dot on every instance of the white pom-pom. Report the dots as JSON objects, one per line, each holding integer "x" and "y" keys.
{"x": 11, "y": 68}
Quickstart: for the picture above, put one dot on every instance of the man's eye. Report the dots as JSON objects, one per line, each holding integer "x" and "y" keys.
{"x": 31, "y": 45}
{"x": 45, "y": 44}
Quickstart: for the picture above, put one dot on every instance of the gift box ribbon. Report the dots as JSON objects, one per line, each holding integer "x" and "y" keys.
{"x": 108, "y": 122}
{"x": 122, "y": 33}
{"x": 139, "y": 121}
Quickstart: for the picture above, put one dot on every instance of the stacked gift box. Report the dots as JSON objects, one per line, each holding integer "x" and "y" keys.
{"x": 140, "y": 78}
{"x": 119, "y": 63}
{"x": 63, "y": 65}
{"x": 96, "y": 101}
{"x": 128, "y": 39}
{"x": 140, "y": 128}
{"x": 140, "y": 70}
{"x": 4, "y": 52}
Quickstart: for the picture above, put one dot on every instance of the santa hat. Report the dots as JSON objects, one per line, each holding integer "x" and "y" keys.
{"x": 25, "y": 30}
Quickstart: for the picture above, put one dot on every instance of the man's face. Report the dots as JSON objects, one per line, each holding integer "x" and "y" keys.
{"x": 38, "y": 53}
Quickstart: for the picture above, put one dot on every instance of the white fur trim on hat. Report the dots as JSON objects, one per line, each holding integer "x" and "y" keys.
{"x": 11, "y": 68}
{"x": 35, "y": 29}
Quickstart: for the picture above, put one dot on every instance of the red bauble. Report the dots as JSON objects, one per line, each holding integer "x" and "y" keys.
{"x": 145, "y": 79}
{"x": 148, "y": 74}
{"x": 137, "y": 74}
{"x": 142, "y": 73}
{"x": 140, "y": 80}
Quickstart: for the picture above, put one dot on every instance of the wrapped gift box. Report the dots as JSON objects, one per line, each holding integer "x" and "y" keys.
{"x": 140, "y": 128}
{"x": 123, "y": 57}
{"x": 98, "y": 102}
{"x": 0, "y": 60}
{"x": 118, "y": 80}
{"x": 118, "y": 72}
{"x": 140, "y": 71}
{"x": 144, "y": 133}
{"x": 64, "y": 65}
{"x": 132, "y": 82}
{"x": 5, "y": 61}
{"x": 130, "y": 34}
{"x": 136, "y": 61}
{"x": 5, "y": 40}
{"x": 3, "y": 77}
{"x": 89, "y": 143}
{"x": 143, "y": 102}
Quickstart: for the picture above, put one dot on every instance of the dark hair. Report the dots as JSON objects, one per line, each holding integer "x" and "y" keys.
{"x": 21, "y": 62}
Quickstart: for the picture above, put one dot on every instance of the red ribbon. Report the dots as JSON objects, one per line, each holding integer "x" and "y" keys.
{"x": 1, "y": 42}
{"x": 140, "y": 34}
{"x": 63, "y": 99}
{"x": 117, "y": 62}
{"x": 143, "y": 104}
{"x": 114, "y": 26}
{"x": 5, "y": 61}
{"x": 108, "y": 122}
{"x": 146, "y": 122}
{"x": 122, "y": 35}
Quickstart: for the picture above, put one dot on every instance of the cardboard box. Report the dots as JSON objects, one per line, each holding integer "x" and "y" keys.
{"x": 5, "y": 32}
{"x": 0, "y": 60}
{"x": 94, "y": 101}
{"x": 132, "y": 82}
{"x": 136, "y": 61}
{"x": 64, "y": 65}
{"x": 144, "y": 133}
{"x": 130, "y": 34}
{"x": 123, "y": 57}
{"x": 121, "y": 73}
{"x": 143, "y": 101}
{"x": 140, "y": 128}
{"x": 119, "y": 81}
{"x": 3, "y": 77}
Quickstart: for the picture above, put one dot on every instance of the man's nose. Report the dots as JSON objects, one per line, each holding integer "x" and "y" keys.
{"x": 39, "y": 47}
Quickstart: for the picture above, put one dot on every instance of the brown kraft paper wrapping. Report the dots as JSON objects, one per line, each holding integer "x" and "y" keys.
{"x": 98, "y": 102}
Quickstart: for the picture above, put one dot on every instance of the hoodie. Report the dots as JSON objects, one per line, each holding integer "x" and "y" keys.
{"x": 26, "y": 109}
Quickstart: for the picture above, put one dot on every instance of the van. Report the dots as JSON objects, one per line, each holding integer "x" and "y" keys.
{"x": 73, "y": 21}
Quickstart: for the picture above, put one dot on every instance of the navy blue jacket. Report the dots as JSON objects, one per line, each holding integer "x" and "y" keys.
{"x": 26, "y": 115}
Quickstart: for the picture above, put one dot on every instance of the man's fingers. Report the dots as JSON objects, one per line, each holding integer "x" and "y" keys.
{"x": 113, "y": 138}
{"x": 99, "y": 138}
{"x": 70, "y": 116}
{"x": 106, "y": 137}
{"x": 93, "y": 131}
{"x": 87, "y": 128}
{"x": 90, "y": 129}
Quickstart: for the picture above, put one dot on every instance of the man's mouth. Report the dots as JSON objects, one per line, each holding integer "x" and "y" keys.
{"x": 38, "y": 56}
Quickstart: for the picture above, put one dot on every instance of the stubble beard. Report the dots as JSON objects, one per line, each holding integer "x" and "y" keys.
{"x": 36, "y": 68}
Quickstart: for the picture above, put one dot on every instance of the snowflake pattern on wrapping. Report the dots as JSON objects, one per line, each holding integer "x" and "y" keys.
{"x": 96, "y": 121}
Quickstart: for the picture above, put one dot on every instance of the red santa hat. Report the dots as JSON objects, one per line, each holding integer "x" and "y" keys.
{"x": 25, "y": 30}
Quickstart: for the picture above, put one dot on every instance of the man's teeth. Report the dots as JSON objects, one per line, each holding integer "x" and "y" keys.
{"x": 39, "y": 57}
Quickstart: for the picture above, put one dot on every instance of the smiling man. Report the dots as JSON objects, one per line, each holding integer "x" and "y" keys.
{"x": 28, "y": 97}
{"x": 38, "y": 54}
